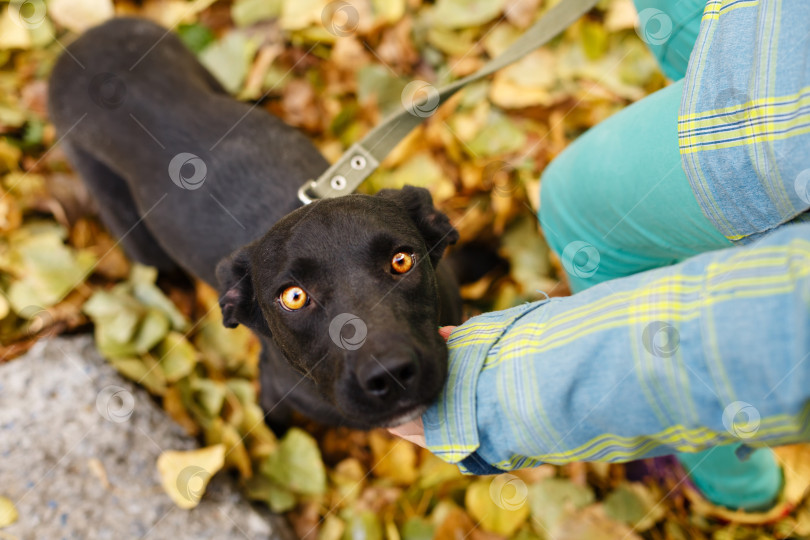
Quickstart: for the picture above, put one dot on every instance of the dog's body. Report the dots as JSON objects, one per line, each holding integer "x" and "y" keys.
{"x": 187, "y": 176}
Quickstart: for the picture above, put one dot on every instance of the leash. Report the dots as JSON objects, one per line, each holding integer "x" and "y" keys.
{"x": 364, "y": 156}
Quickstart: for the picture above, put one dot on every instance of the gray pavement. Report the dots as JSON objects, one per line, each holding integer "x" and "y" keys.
{"x": 78, "y": 465}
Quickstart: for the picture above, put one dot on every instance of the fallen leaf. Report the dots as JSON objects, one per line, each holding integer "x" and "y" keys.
{"x": 143, "y": 370}
{"x": 173, "y": 405}
{"x": 554, "y": 499}
{"x": 147, "y": 293}
{"x": 795, "y": 462}
{"x": 621, "y": 15}
{"x": 528, "y": 255}
{"x": 8, "y": 512}
{"x": 394, "y": 458}
{"x": 500, "y": 135}
{"x": 521, "y": 12}
{"x": 44, "y": 269}
{"x": 466, "y": 13}
{"x": 262, "y": 488}
{"x": 363, "y": 526}
{"x": 635, "y": 505}
{"x": 417, "y": 529}
{"x": 79, "y": 15}
{"x": 526, "y": 83}
{"x": 296, "y": 464}
{"x": 349, "y": 479}
{"x": 454, "y": 524}
{"x": 592, "y": 524}
{"x": 229, "y": 59}
{"x": 208, "y": 396}
{"x": 332, "y": 528}
{"x": 185, "y": 474}
{"x": 177, "y": 356}
{"x": 246, "y": 12}
{"x": 299, "y": 14}
{"x": 12, "y": 34}
{"x": 389, "y": 11}
{"x": 495, "y": 510}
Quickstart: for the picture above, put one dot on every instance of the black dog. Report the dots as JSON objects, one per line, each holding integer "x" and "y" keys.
{"x": 346, "y": 294}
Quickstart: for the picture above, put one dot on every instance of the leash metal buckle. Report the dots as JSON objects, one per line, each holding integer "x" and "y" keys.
{"x": 303, "y": 192}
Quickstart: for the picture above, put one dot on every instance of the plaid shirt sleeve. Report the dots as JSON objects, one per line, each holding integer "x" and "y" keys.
{"x": 708, "y": 352}
{"x": 744, "y": 124}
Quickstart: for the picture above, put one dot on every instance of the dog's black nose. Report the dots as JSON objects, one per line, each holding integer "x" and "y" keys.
{"x": 388, "y": 376}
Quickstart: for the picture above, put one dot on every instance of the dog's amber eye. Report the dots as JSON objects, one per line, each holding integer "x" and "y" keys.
{"x": 293, "y": 298}
{"x": 402, "y": 262}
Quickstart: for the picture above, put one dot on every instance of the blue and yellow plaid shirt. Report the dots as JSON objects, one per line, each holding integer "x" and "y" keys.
{"x": 744, "y": 126}
{"x": 707, "y": 352}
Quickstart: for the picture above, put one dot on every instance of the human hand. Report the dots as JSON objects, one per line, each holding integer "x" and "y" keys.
{"x": 414, "y": 431}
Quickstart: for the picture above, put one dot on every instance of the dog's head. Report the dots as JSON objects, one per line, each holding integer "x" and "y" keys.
{"x": 347, "y": 290}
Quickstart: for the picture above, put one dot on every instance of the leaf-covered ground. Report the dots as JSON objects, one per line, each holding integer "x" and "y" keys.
{"x": 481, "y": 156}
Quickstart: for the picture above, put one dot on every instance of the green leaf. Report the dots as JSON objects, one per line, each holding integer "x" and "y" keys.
{"x": 363, "y": 526}
{"x": 262, "y": 488}
{"x": 594, "y": 39}
{"x": 141, "y": 370}
{"x": 417, "y": 529}
{"x": 246, "y": 12}
{"x": 195, "y": 36}
{"x": 466, "y": 13}
{"x": 527, "y": 253}
{"x": 280, "y": 499}
{"x": 452, "y": 42}
{"x": 234, "y": 350}
{"x": 526, "y": 533}
{"x": 153, "y": 328}
{"x": 177, "y": 356}
{"x": 117, "y": 317}
{"x": 375, "y": 81}
{"x": 591, "y": 523}
{"x": 46, "y": 270}
{"x": 635, "y": 505}
{"x": 421, "y": 170}
{"x": 296, "y": 464}
{"x": 555, "y": 498}
{"x": 243, "y": 389}
{"x": 208, "y": 395}
{"x": 229, "y": 59}
{"x": 499, "y": 136}
{"x": 34, "y": 131}
{"x": 146, "y": 292}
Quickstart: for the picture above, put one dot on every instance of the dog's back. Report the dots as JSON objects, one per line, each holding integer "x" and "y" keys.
{"x": 181, "y": 170}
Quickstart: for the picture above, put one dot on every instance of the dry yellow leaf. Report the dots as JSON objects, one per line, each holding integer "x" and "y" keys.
{"x": 8, "y": 512}
{"x": 394, "y": 458}
{"x": 795, "y": 461}
{"x": 185, "y": 474}
{"x": 79, "y": 15}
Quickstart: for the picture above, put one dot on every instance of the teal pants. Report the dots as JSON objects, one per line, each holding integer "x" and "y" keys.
{"x": 618, "y": 202}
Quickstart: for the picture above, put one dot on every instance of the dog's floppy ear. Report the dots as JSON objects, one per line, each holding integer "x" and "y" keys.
{"x": 434, "y": 226}
{"x": 237, "y": 298}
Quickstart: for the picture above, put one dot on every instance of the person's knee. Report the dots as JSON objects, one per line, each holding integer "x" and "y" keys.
{"x": 561, "y": 222}
{"x": 557, "y": 216}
